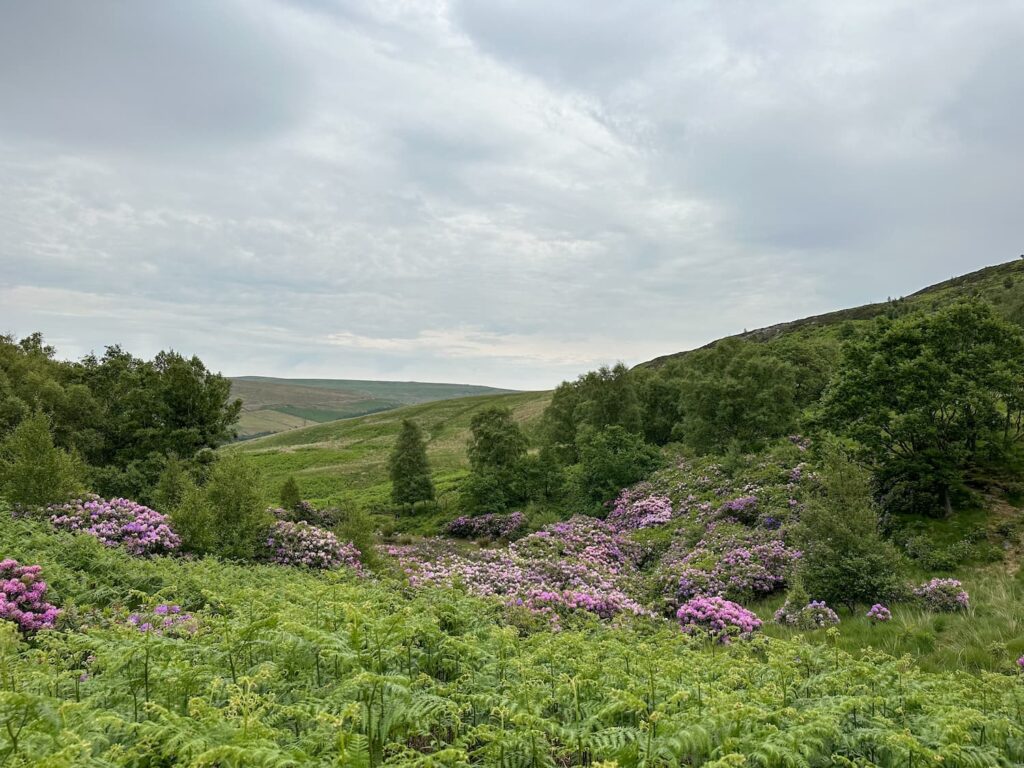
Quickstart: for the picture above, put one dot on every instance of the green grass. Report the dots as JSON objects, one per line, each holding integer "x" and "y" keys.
{"x": 345, "y": 462}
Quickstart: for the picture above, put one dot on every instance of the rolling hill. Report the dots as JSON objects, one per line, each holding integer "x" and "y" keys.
{"x": 271, "y": 405}
{"x": 346, "y": 461}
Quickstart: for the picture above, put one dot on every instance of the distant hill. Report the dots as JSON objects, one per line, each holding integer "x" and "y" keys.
{"x": 272, "y": 405}
{"x": 346, "y": 461}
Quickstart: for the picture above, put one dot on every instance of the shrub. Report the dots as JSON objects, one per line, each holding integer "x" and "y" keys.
{"x": 240, "y": 520}
{"x": 630, "y": 514}
{"x": 22, "y": 594}
{"x": 117, "y": 523}
{"x": 944, "y": 595}
{"x": 304, "y": 512}
{"x": 814, "y": 615}
{"x": 718, "y": 617}
{"x": 34, "y": 472}
{"x": 879, "y": 613}
{"x": 194, "y": 521}
{"x": 490, "y": 526}
{"x": 306, "y": 545}
{"x": 289, "y": 495}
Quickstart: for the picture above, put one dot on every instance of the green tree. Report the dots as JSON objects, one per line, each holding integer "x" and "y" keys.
{"x": 610, "y": 459}
{"x": 929, "y": 396}
{"x": 496, "y": 442}
{"x": 33, "y": 471}
{"x": 735, "y": 393}
{"x": 171, "y": 486}
{"x": 241, "y": 520}
{"x": 289, "y": 495}
{"x": 408, "y": 466}
{"x": 659, "y": 395}
{"x": 845, "y": 559}
{"x": 195, "y": 521}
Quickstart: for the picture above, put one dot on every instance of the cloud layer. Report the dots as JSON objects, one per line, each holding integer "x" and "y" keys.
{"x": 491, "y": 191}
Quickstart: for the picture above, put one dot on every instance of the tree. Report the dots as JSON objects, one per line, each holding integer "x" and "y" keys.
{"x": 845, "y": 559}
{"x": 240, "y": 518}
{"x": 33, "y": 471}
{"x": 195, "y": 521}
{"x": 659, "y": 395}
{"x": 289, "y": 495}
{"x": 610, "y": 459}
{"x": 408, "y": 466}
{"x": 496, "y": 442}
{"x": 171, "y": 486}
{"x": 929, "y": 396}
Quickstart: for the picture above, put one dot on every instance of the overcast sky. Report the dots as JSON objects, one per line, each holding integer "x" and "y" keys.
{"x": 502, "y": 192}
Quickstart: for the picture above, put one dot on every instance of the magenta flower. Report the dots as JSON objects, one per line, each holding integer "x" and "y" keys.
{"x": 117, "y": 523}
{"x": 306, "y": 545}
{"x": 22, "y": 597}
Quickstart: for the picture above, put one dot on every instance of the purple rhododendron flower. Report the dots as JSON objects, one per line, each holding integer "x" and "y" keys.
{"x": 117, "y": 523}
{"x": 718, "y": 617}
{"x": 22, "y": 597}
{"x": 947, "y": 595}
{"x": 306, "y": 545}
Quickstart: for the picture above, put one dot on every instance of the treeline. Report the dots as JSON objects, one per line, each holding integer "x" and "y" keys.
{"x": 926, "y": 401}
{"x": 110, "y": 424}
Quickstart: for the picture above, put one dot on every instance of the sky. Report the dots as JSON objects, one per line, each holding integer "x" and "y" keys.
{"x": 503, "y": 192}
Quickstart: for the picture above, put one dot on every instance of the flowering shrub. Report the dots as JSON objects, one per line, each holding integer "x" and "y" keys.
{"x": 304, "y": 512}
{"x": 879, "y": 613}
{"x": 815, "y": 615}
{"x": 117, "y": 523}
{"x": 717, "y": 617}
{"x": 730, "y": 561}
{"x": 306, "y": 545}
{"x": 165, "y": 619}
{"x": 945, "y": 595}
{"x": 631, "y": 514}
{"x": 743, "y": 508}
{"x": 22, "y": 593}
{"x": 1020, "y": 663}
{"x": 581, "y": 564}
{"x": 492, "y": 526}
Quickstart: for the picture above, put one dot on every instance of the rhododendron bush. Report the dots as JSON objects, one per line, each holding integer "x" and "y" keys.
{"x": 814, "y": 615}
{"x": 23, "y": 597}
{"x": 306, "y": 545}
{"x": 945, "y": 595}
{"x": 717, "y": 617}
{"x": 491, "y": 526}
{"x": 117, "y": 523}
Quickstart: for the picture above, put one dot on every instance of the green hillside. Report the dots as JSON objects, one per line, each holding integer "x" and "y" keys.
{"x": 1002, "y": 285}
{"x": 271, "y": 405}
{"x": 346, "y": 461}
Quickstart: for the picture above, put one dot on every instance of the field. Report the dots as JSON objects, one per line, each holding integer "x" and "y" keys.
{"x": 272, "y": 405}
{"x": 345, "y": 462}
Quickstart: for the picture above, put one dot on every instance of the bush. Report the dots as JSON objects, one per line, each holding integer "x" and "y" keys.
{"x": 34, "y": 472}
{"x": 194, "y": 521}
{"x": 121, "y": 523}
{"x": 845, "y": 560}
{"x": 944, "y": 595}
{"x": 408, "y": 467}
{"x": 240, "y": 520}
{"x": 717, "y": 617}
{"x": 306, "y": 545}
{"x": 813, "y": 615}
{"x": 486, "y": 526}
{"x": 610, "y": 459}
{"x": 22, "y": 597}
{"x": 290, "y": 496}
{"x": 879, "y": 613}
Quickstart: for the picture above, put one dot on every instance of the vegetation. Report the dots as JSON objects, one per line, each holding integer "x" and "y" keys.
{"x": 33, "y": 471}
{"x": 409, "y": 468}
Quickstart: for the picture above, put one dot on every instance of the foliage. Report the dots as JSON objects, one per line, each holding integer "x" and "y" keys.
{"x": 171, "y": 486}
{"x": 123, "y": 523}
{"x": 879, "y": 613}
{"x": 164, "y": 619}
{"x": 813, "y": 615}
{"x": 610, "y": 458}
{"x": 943, "y": 595}
{"x": 408, "y": 467}
{"x": 930, "y": 395}
{"x": 195, "y": 521}
{"x": 499, "y": 476}
{"x": 734, "y": 392}
{"x": 717, "y": 617}
{"x": 632, "y": 514}
{"x": 23, "y": 597}
{"x": 845, "y": 559}
{"x": 33, "y": 471}
{"x": 308, "y": 546}
{"x": 289, "y": 496}
{"x": 122, "y": 415}
{"x": 239, "y": 518}
{"x": 486, "y": 526}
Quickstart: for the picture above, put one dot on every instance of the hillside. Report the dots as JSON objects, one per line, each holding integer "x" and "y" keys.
{"x": 1002, "y": 285}
{"x": 346, "y": 461}
{"x": 271, "y": 405}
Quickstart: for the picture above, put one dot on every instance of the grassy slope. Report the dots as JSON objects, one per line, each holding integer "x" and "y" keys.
{"x": 346, "y": 461}
{"x": 990, "y": 283}
{"x": 275, "y": 405}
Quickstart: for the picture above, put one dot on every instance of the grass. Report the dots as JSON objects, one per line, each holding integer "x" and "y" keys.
{"x": 273, "y": 405}
{"x": 345, "y": 462}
